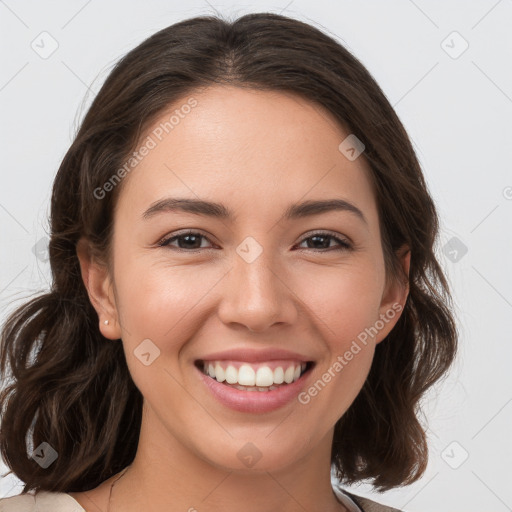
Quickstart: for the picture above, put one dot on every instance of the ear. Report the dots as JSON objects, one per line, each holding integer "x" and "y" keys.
{"x": 394, "y": 297}
{"x": 99, "y": 288}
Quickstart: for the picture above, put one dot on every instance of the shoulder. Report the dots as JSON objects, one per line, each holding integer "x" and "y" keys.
{"x": 368, "y": 505}
{"x": 19, "y": 503}
{"x": 42, "y": 501}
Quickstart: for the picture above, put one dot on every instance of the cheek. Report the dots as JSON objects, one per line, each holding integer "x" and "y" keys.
{"x": 346, "y": 299}
{"x": 157, "y": 301}
{"x": 159, "y": 304}
{"x": 345, "y": 308}
{"x": 345, "y": 303}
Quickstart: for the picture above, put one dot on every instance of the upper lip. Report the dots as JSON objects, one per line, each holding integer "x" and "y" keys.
{"x": 255, "y": 355}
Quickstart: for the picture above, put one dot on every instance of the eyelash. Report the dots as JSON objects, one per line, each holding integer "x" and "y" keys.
{"x": 344, "y": 245}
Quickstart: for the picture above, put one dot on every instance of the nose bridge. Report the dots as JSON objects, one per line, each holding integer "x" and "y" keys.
{"x": 256, "y": 295}
{"x": 257, "y": 280}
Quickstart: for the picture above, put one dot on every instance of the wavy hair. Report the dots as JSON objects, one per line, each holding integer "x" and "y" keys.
{"x": 69, "y": 386}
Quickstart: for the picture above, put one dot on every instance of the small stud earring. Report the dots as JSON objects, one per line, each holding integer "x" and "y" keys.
{"x": 106, "y": 322}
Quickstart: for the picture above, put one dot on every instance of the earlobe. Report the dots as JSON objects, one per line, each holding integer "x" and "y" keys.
{"x": 97, "y": 281}
{"x": 395, "y": 296}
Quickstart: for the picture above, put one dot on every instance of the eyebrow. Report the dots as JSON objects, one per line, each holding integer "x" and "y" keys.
{"x": 217, "y": 210}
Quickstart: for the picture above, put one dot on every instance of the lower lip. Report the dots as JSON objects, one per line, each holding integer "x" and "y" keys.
{"x": 254, "y": 401}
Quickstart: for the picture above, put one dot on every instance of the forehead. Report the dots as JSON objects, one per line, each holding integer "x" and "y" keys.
{"x": 246, "y": 147}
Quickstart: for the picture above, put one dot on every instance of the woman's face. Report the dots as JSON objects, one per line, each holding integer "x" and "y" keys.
{"x": 255, "y": 289}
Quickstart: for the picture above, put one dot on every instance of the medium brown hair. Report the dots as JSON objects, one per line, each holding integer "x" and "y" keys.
{"x": 71, "y": 387}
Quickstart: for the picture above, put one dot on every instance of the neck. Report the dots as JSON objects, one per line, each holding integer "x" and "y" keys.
{"x": 175, "y": 476}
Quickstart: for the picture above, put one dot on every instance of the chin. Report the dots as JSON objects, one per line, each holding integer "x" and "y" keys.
{"x": 252, "y": 457}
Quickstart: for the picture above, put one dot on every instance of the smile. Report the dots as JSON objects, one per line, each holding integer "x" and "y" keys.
{"x": 254, "y": 387}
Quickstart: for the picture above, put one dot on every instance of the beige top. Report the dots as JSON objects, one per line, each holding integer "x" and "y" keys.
{"x": 45, "y": 501}
{"x": 42, "y": 501}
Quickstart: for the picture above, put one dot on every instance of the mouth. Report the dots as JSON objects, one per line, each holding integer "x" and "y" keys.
{"x": 254, "y": 387}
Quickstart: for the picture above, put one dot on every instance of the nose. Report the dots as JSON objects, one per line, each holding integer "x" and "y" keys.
{"x": 257, "y": 296}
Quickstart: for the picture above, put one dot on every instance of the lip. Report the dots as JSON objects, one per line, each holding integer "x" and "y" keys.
{"x": 255, "y": 401}
{"x": 255, "y": 355}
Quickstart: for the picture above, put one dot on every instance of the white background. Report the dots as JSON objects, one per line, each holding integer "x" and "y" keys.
{"x": 456, "y": 110}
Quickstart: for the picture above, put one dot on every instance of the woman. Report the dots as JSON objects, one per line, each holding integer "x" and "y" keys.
{"x": 245, "y": 292}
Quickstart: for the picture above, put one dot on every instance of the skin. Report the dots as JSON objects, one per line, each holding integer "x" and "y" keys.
{"x": 256, "y": 152}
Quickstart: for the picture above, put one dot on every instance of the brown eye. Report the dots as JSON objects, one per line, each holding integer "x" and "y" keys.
{"x": 322, "y": 241}
{"x": 190, "y": 240}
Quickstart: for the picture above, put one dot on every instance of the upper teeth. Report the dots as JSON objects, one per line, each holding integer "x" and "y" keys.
{"x": 247, "y": 375}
